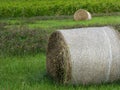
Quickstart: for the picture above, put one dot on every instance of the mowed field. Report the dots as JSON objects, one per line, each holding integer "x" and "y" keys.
{"x": 21, "y": 70}
{"x": 29, "y": 73}
{"x": 25, "y": 27}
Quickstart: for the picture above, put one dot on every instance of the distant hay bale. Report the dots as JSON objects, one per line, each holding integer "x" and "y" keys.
{"x": 82, "y": 15}
{"x": 84, "y": 55}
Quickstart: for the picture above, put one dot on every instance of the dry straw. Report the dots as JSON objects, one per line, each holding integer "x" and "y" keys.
{"x": 82, "y": 14}
{"x": 84, "y": 55}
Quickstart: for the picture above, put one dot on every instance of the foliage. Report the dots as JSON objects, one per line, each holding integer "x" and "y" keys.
{"x": 28, "y": 8}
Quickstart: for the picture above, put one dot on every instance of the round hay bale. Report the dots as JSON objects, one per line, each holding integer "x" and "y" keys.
{"x": 84, "y": 55}
{"x": 82, "y": 15}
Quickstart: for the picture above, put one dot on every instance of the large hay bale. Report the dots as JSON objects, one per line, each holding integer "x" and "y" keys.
{"x": 82, "y": 14}
{"x": 84, "y": 55}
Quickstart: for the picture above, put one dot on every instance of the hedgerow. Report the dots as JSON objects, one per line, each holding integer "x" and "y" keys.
{"x": 29, "y": 8}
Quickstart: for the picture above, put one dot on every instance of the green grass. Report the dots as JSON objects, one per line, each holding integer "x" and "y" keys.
{"x": 29, "y": 73}
{"x": 50, "y": 24}
{"x": 63, "y": 23}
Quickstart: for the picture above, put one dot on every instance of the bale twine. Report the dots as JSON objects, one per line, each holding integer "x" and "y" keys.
{"x": 84, "y": 55}
{"x": 82, "y": 14}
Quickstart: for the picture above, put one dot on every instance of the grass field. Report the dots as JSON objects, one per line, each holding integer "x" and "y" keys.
{"x": 25, "y": 26}
{"x": 28, "y": 72}
{"x": 61, "y": 23}
{"x": 68, "y": 23}
{"x": 30, "y": 35}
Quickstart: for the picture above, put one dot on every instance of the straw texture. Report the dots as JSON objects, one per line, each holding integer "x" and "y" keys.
{"x": 84, "y": 55}
{"x": 82, "y": 14}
